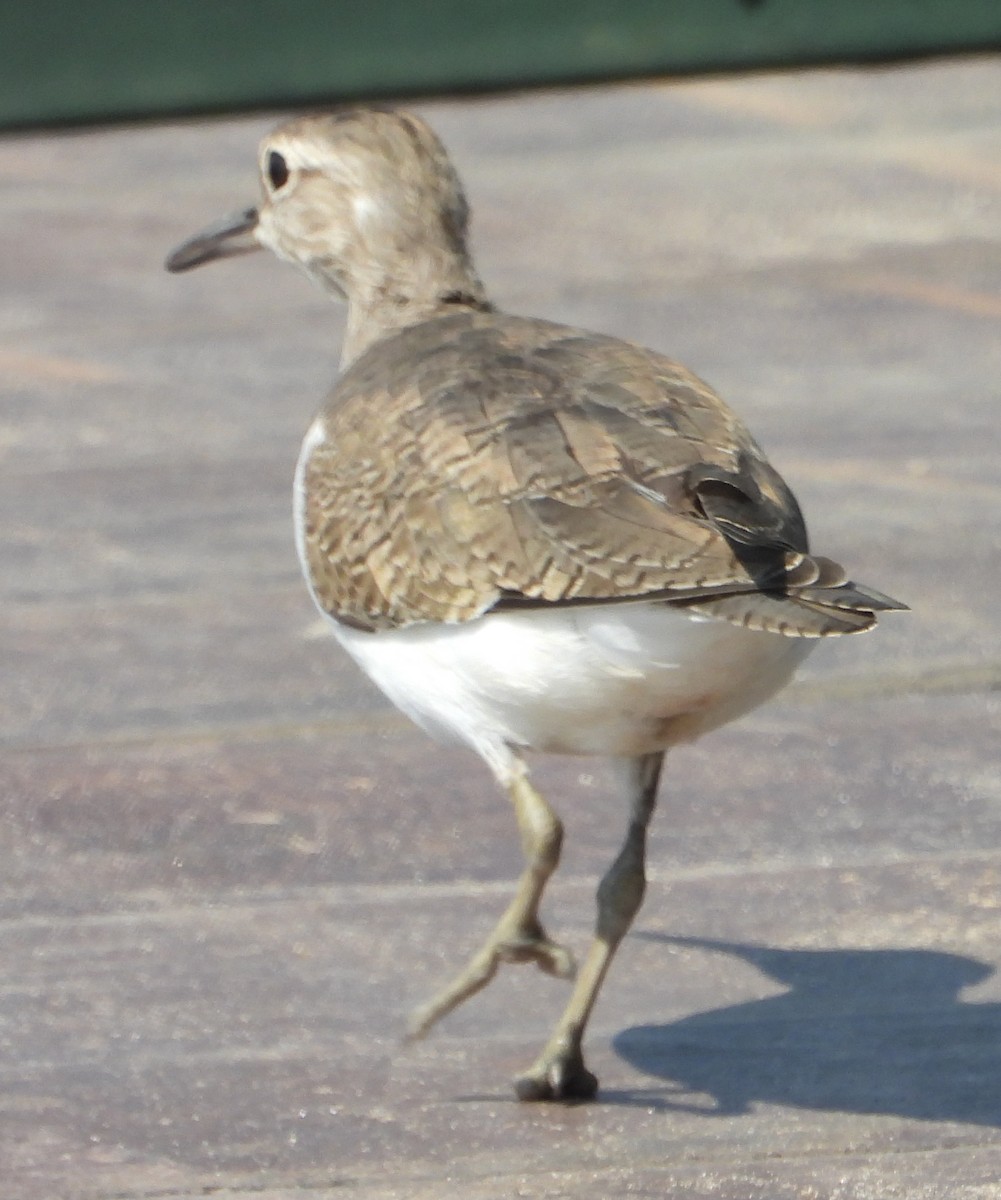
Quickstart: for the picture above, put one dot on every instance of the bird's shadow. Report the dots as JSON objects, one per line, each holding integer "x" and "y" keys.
{"x": 863, "y": 1031}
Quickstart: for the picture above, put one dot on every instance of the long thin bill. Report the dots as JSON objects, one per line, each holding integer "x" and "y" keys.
{"x": 222, "y": 239}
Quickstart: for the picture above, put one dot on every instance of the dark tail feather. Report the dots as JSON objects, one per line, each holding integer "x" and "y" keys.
{"x": 819, "y": 601}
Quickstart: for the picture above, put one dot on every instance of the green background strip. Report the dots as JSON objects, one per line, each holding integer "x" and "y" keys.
{"x": 91, "y": 60}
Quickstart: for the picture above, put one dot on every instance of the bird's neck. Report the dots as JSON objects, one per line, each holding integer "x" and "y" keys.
{"x": 382, "y": 302}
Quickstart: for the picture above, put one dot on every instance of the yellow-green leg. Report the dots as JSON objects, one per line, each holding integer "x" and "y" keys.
{"x": 559, "y": 1072}
{"x": 518, "y": 936}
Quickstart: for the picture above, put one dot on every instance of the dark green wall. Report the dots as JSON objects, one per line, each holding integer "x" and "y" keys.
{"x": 90, "y": 60}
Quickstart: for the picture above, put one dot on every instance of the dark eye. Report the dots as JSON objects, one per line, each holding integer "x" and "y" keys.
{"x": 277, "y": 170}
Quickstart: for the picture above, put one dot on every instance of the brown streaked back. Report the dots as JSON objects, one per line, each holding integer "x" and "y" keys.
{"x": 482, "y": 460}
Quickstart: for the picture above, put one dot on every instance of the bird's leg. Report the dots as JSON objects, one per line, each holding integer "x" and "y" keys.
{"x": 518, "y": 935}
{"x": 559, "y": 1072}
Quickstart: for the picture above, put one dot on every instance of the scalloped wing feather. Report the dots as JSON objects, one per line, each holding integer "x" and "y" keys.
{"x": 480, "y": 459}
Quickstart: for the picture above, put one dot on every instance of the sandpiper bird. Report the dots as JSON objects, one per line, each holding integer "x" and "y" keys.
{"x": 531, "y": 537}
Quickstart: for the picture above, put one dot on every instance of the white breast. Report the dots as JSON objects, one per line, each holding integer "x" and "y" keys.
{"x": 618, "y": 679}
{"x": 315, "y": 435}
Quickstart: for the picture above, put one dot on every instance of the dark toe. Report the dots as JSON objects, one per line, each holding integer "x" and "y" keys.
{"x": 560, "y": 1081}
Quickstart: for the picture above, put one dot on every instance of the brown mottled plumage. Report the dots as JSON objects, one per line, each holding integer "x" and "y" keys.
{"x": 520, "y": 461}
{"x": 530, "y": 536}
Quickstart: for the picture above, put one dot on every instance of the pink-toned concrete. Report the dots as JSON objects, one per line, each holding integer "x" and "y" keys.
{"x": 229, "y": 870}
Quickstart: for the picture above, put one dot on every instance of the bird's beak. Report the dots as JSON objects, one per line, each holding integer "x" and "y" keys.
{"x": 222, "y": 239}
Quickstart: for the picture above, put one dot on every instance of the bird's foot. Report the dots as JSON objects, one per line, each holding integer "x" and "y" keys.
{"x": 524, "y": 943}
{"x": 558, "y": 1074}
{"x": 535, "y": 946}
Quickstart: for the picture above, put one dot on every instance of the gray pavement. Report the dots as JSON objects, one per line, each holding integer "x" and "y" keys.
{"x": 230, "y": 869}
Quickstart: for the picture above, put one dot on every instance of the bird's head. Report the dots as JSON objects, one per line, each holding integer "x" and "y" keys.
{"x": 366, "y": 202}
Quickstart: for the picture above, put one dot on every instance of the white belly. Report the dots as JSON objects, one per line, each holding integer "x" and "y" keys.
{"x": 620, "y": 679}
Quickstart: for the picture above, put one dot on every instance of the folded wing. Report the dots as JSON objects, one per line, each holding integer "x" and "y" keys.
{"x": 516, "y": 463}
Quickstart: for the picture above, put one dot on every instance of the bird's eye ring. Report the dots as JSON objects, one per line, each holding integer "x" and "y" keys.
{"x": 277, "y": 170}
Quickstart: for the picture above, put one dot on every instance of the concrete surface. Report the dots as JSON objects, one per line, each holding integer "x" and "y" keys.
{"x": 230, "y": 869}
